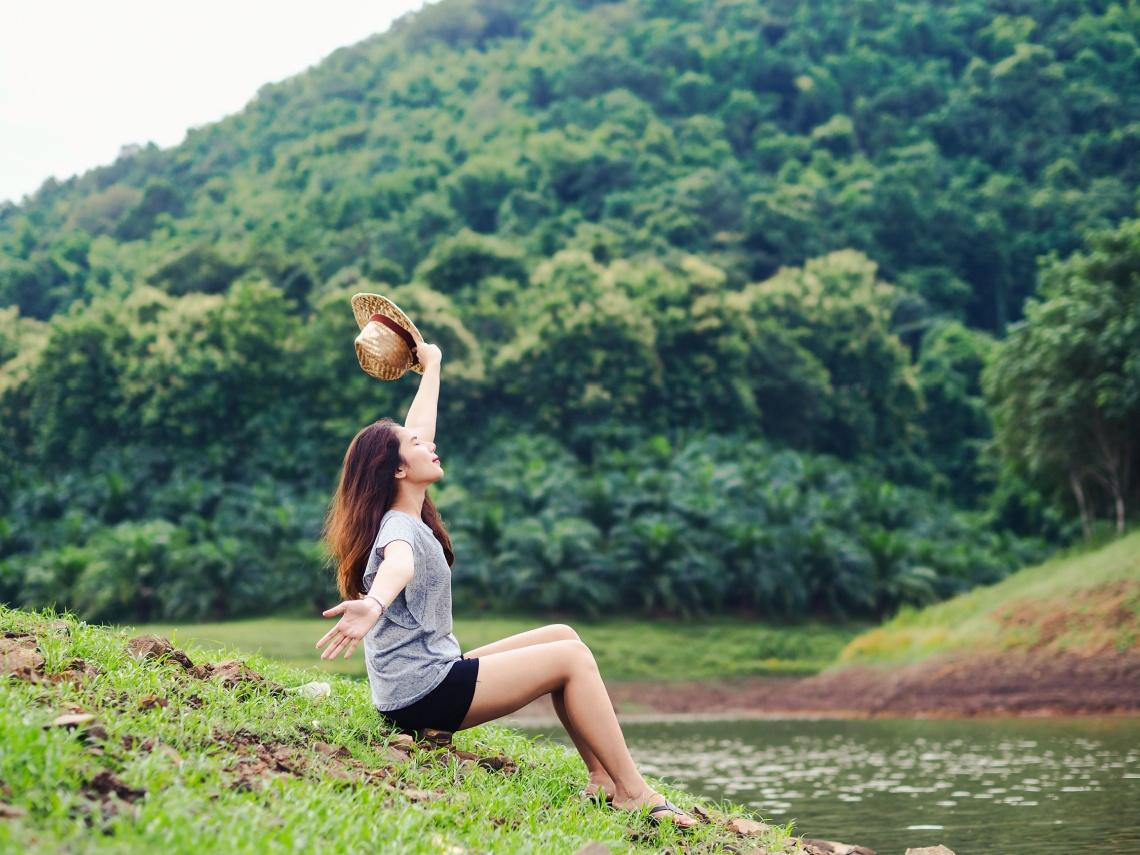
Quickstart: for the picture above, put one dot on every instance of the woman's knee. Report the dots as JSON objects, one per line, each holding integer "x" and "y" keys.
{"x": 562, "y": 632}
{"x": 579, "y": 657}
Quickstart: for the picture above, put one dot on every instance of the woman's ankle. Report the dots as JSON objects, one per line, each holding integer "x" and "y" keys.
{"x": 634, "y": 795}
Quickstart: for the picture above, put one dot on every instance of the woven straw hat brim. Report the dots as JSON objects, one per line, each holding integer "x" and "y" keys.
{"x": 364, "y": 306}
{"x": 383, "y": 354}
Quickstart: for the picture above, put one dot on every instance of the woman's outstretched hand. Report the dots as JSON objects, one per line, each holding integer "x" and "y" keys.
{"x": 357, "y": 617}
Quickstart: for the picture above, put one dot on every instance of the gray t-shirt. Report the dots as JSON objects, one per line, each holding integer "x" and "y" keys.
{"x": 411, "y": 648}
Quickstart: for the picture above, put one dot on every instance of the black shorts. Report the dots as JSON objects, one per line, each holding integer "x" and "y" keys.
{"x": 445, "y": 706}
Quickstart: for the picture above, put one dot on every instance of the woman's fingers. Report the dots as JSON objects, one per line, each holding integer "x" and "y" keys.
{"x": 326, "y": 637}
{"x": 351, "y": 647}
{"x": 338, "y": 641}
{"x": 335, "y": 610}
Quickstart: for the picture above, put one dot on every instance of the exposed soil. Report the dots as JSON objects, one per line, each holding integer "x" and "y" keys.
{"x": 1011, "y": 684}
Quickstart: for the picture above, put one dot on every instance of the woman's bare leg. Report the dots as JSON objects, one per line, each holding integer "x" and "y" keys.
{"x": 511, "y": 679}
{"x": 599, "y": 779}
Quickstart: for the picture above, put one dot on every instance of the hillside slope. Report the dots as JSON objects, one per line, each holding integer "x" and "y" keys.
{"x": 126, "y": 745}
{"x": 1059, "y": 638}
{"x": 1085, "y": 604}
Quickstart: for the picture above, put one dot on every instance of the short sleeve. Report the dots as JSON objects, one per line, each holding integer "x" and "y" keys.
{"x": 395, "y": 527}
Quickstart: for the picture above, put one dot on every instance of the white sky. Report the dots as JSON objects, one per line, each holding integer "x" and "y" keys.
{"x": 80, "y": 79}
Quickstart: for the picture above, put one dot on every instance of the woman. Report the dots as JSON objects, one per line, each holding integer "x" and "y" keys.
{"x": 393, "y": 560}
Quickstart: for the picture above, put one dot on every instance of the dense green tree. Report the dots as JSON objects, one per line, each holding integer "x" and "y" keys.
{"x": 720, "y": 275}
{"x": 1065, "y": 385}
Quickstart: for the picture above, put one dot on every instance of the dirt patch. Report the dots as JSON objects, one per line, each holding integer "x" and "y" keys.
{"x": 1094, "y": 620}
{"x": 19, "y": 656}
{"x": 1031, "y": 683}
{"x": 232, "y": 674}
{"x": 257, "y": 759}
{"x": 153, "y": 647}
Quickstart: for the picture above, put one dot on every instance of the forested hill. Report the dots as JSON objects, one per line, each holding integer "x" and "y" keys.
{"x": 953, "y": 143}
{"x": 715, "y": 282}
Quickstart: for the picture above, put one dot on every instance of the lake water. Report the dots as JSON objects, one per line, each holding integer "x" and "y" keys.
{"x": 979, "y": 786}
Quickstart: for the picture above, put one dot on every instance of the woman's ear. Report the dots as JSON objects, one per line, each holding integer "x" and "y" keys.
{"x": 401, "y": 471}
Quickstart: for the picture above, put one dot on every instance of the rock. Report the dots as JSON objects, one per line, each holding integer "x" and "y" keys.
{"x": 150, "y": 702}
{"x": 929, "y": 850}
{"x": 436, "y": 738}
{"x": 499, "y": 763}
{"x": 394, "y": 754}
{"x": 153, "y": 647}
{"x": 19, "y": 657}
{"x": 95, "y": 733}
{"x": 106, "y": 783}
{"x": 746, "y": 827}
{"x": 232, "y": 673}
{"x": 172, "y": 755}
{"x": 8, "y": 811}
{"x": 415, "y": 795}
{"x": 594, "y": 848}
{"x": 830, "y": 847}
{"x": 76, "y": 671}
{"x": 70, "y": 720}
{"x": 403, "y": 741}
{"x": 332, "y": 750}
{"x": 312, "y": 690}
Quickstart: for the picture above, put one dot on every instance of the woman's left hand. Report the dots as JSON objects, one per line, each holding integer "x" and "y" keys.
{"x": 427, "y": 354}
{"x": 358, "y": 616}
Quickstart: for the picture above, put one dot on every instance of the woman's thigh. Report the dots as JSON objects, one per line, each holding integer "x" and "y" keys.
{"x": 542, "y": 635}
{"x": 510, "y": 680}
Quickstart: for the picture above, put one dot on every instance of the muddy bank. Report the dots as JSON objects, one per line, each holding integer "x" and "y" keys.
{"x": 1006, "y": 685}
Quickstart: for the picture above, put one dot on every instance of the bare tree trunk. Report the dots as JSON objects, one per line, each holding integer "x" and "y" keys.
{"x": 1079, "y": 494}
{"x": 1114, "y": 465}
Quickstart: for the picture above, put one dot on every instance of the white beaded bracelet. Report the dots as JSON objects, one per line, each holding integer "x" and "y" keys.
{"x": 380, "y": 604}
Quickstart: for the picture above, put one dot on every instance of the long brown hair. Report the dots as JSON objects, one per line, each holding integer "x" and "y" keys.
{"x": 366, "y": 490}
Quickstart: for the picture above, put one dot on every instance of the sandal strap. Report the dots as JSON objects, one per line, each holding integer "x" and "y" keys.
{"x": 667, "y": 806}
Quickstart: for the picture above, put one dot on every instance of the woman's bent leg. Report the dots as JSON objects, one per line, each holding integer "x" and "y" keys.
{"x": 544, "y": 635}
{"x": 512, "y": 679}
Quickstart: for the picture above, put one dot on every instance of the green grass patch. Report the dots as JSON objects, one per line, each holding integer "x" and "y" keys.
{"x": 175, "y": 762}
{"x": 625, "y": 649}
{"x": 1086, "y": 601}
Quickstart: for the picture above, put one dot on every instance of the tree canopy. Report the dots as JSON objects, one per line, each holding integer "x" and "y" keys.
{"x": 717, "y": 284}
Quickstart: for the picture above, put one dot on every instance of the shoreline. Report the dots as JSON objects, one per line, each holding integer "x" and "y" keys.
{"x": 1010, "y": 685}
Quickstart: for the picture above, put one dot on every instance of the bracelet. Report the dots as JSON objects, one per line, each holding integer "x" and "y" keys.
{"x": 377, "y": 602}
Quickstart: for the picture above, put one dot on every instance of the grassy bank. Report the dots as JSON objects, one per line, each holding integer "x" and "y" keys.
{"x": 1085, "y": 603}
{"x": 216, "y": 759}
{"x": 625, "y": 649}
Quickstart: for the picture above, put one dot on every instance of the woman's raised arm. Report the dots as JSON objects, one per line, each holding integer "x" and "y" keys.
{"x": 421, "y": 414}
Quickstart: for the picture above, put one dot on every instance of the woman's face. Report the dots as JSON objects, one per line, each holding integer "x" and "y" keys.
{"x": 420, "y": 462}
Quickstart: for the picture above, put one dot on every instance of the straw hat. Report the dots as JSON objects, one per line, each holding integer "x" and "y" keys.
{"x": 387, "y": 340}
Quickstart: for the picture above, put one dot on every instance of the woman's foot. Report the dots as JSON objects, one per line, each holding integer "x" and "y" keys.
{"x": 668, "y": 812}
{"x": 600, "y": 786}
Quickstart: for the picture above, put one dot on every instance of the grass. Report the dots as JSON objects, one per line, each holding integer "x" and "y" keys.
{"x": 624, "y": 649}
{"x": 179, "y": 763}
{"x": 1085, "y": 602}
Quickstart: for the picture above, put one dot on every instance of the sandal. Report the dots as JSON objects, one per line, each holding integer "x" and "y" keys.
{"x": 653, "y": 817}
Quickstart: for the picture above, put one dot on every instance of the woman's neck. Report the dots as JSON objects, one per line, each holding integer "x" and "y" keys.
{"x": 410, "y": 499}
